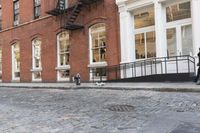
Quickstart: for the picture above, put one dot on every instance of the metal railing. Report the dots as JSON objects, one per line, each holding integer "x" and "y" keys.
{"x": 150, "y": 66}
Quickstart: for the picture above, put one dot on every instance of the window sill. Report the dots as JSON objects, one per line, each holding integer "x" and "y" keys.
{"x": 98, "y": 64}
{"x": 36, "y": 70}
{"x": 63, "y": 67}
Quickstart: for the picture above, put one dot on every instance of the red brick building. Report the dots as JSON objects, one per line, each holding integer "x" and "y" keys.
{"x": 52, "y": 40}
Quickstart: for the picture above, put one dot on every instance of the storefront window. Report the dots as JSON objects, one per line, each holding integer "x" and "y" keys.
{"x": 144, "y": 18}
{"x": 98, "y": 37}
{"x": 63, "y": 50}
{"x": 145, "y": 45}
{"x": 16, "y": 61}
{"x": 37, "y": 67}
{"x": 186, "y": 34}
{"x": 178, "y": 11}
{"x": 171, "y": 42}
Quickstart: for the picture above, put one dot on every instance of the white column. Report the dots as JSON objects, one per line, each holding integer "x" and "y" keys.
{"x": 196, "y": 25}
{"x": 161, "y": 42}
{"x": 126, "y": 36}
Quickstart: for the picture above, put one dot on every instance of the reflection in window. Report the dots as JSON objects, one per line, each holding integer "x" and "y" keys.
{"x": 37, "y": 66}
{"x": 16, "y": 60}
{"x": 178, "y": 11}
{"x": 63, "y": 48}
{"x": 151, "y": 44}
{"x": 16, "y": 12}
{"x": 139, "y": 46}
{"x": 171, "y": 42}
{"x": 145, "y": 45}
{"x": 36, "y": 53}
{"x": 37, "y": 8}
{"x": 187, "y": 45}
{"x": 99, "y": 73}
{"x": 63, "y": 74}
{"x": 144, "y": 19}
{"x": 98, "y": 35}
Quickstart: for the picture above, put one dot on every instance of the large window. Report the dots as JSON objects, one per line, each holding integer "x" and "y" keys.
{"x": 98, "y": 51}
{"x": 144, "y": 18}
{"x": 36, "y": 59}
{"x": 178, "y": 11}
{"x": 37, "y": 8}
{"x": 145, "y": 45}
{"x": 63, "y": 51}
{"x": 15, "y": 61}
{"x": 179, "y": 29}
{"x": 16, "y": 12}
{"x": 98, "y": 38}
{"x": 145, "y": 38}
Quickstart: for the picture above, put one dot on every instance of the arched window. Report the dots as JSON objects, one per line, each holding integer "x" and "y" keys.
{"x": 36, "y": 59}
{"x": 98, "y": 42}
{"x": 98, "y": 51}
{"x": 15, "y": 61}
{"x": 63, "y": 53}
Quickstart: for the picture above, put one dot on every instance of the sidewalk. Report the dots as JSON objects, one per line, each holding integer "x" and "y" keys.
{"x": 158, "y": 86}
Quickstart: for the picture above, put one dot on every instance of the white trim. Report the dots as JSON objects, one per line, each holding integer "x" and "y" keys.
{"x": 98, "y": 65}
{"x": 13, "y": 62}
{"x": 61, "y": 67}
{"x": 34, "y": 68}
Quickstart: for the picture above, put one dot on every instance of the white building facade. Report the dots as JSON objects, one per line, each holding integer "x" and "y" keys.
{"x": 158, "y": 28}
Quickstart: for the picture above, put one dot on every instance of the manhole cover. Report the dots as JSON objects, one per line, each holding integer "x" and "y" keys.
{"x": 121, "y": 108}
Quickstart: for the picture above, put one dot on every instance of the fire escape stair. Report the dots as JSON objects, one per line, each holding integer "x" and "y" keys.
{"x": 70, "y": 13}
{"x": 70, "y": 25}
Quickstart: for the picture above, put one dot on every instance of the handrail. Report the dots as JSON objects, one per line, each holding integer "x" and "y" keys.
{"x": 150, "y": 66}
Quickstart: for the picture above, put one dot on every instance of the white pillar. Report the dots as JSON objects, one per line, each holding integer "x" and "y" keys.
{"x": 196, "y": 25}
{"x": 161, "y": 42}
{"x": 126, "y": 36}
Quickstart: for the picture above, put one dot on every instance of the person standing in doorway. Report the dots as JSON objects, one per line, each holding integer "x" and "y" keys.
{"x": 198, "y": 64}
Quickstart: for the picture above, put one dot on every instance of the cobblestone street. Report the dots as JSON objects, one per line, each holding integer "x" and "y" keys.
{"x": 98, "y": 111}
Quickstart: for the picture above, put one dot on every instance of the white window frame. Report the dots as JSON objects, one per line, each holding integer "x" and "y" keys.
{"x": 144, "y": 30}
{"x": 14, "y": 63}
{"x": 177, "y": 25}
{"x": 61, "y": 67}
{"x": 91, "y": 63}
{"x": 34, "y": 68}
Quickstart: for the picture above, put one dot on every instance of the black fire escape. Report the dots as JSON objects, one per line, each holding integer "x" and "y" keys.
{"x": 71, "y": 13}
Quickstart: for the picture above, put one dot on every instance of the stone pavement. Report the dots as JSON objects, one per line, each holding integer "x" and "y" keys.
{"x": 155, "y": 86}
{"x": 30, "y": 110}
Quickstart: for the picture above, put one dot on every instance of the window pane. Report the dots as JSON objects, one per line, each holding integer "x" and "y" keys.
{"x": 64, "y": 73}
{"x": 37, "y": 75}
{"x": 99, "y": 72}
{"x": 64, "y": 47}
{"x": 64, "y": 59}
{"x": 144, "y": 19}
{"x": 151, "y": 44}
{"x": 37, "y": 53}
{"x": 187, "y": 46}
{"x": 171, "y": 42}
{"x": 95, "y": 55}
{"x": 178, "y": 12}
{"x": 139, "y": 46}
{"x": 98, "y": 34}
{"x": 16, "y": 61}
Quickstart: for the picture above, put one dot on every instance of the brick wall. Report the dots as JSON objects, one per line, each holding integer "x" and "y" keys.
{"x": 47, "y": 28}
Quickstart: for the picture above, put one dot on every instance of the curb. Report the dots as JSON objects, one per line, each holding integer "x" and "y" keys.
{"x": 160, "y": 89}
